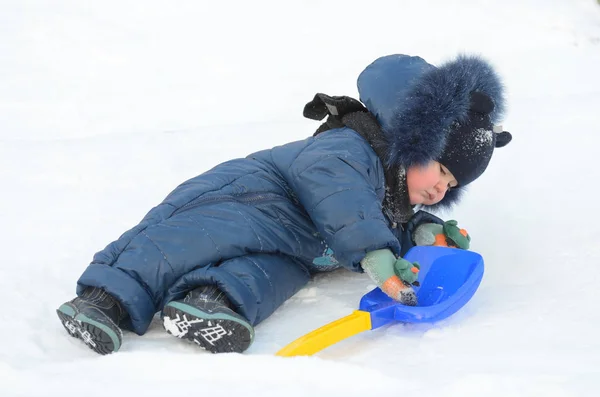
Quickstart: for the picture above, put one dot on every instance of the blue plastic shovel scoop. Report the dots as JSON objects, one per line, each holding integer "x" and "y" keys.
{"x": 448, "y": 279}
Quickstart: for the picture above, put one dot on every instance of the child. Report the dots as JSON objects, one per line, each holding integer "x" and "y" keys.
{"x": 228, "y": 247}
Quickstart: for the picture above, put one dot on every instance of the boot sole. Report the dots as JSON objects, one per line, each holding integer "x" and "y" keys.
{"x": 97, "y": 336}
{"x": 215, "y": 332}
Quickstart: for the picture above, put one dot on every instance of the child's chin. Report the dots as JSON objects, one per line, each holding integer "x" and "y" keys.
{"x": 417, "y": 200}
{"x": 423, "y": 201}
{"x": 430, "y": 202}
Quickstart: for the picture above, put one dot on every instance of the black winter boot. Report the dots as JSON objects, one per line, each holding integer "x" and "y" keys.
{"x": 94, "y": 318}
{"x": 205, "y": 317}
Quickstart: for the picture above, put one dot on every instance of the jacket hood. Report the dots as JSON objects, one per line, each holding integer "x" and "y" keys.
{"x": 416, "y": 103}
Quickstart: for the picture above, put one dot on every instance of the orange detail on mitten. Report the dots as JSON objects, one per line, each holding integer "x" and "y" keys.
{"x": 440, "y": 240}
{"x": 392, "y": 287}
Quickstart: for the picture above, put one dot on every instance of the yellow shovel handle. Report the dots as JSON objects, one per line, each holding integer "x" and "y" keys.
{"x": 328, "y": 335}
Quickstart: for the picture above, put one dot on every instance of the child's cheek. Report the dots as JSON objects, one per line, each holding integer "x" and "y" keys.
{"x": 416, "y": 182}
{"x": 415, "y": 197}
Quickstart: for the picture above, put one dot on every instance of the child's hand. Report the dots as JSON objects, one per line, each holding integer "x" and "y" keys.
{"x": 446, "y": 235}
{"x": 406, "y": 271}
{"x": 426, "y": 233}
{"x": 455, "y": 236}
{"x": 392, "y": 275}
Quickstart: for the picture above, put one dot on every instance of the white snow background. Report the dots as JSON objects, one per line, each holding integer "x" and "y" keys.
{"x": 106, "y": 106}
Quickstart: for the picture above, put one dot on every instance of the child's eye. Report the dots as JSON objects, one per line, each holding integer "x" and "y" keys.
{"x": 442, "y": 170}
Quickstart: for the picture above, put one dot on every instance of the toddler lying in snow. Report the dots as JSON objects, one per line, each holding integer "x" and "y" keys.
{"x": 226, "y": 248}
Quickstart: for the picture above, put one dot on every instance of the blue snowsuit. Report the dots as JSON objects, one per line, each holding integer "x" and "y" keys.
{"x": 259, "y": 226}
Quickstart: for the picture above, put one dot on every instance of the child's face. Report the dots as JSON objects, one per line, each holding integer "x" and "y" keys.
{"x": 427, "y": 185}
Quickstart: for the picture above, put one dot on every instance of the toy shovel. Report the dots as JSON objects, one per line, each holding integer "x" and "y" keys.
{"x": 448, "y": 279}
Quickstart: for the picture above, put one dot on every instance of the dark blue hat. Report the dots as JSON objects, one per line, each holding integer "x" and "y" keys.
{"x": 426, "y": 113}
{"x": 470, "y": 144}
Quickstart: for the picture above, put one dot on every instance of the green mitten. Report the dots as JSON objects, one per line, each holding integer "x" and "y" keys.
{"x": 460, "y": 237}
{"x": 408, "y": 272}
{"x": 380, "y": 265}
{"x": 425, "y": 233}
{"x": 447, "y": 235}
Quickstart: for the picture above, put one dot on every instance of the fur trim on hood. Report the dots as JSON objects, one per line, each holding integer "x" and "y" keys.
{"x": 416, "y": 104}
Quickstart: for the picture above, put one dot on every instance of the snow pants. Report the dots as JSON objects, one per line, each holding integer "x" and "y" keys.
{"x": 256, "y": 285}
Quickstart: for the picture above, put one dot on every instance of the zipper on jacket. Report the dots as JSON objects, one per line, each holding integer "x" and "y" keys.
{"x": 389, "y": 216}
{"x": 244, "y": 198}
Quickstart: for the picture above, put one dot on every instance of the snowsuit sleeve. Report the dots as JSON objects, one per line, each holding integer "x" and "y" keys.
{"x": 339, "y": 181}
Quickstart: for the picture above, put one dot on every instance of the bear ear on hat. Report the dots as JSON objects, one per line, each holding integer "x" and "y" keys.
{"x": 481, "y": 103}
{"x": 503, "y": 138}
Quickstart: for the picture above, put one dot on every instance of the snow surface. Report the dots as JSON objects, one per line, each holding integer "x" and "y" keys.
{"x": 106, "y": 106}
